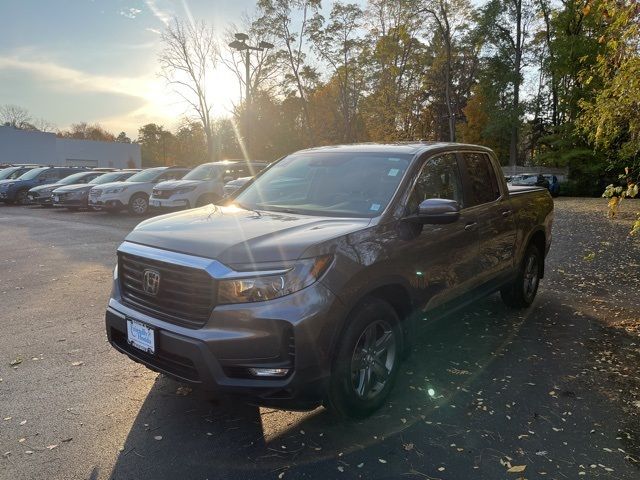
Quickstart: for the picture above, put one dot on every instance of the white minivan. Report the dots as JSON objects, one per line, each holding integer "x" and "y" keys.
{"x": 203, "y": 185}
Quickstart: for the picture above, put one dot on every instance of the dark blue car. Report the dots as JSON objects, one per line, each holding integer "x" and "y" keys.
{"x": 15, "y": 190}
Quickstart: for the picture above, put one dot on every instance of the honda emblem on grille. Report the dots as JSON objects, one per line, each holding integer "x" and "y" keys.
{"x": 151, "y": 282}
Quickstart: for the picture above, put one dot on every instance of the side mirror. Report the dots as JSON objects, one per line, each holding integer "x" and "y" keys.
{"x": 437, "y": 211}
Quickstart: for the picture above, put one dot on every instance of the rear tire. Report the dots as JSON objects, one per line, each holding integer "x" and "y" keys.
{"x": 367, "y": 361}
{"x": 139, "y": 204}
{"x": 522, "y": 291}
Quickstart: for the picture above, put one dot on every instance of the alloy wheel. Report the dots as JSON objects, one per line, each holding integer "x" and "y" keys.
{"x": 139, "y": 205}
{"x": 531, "y": 278}
{"x": 373, "y": 359}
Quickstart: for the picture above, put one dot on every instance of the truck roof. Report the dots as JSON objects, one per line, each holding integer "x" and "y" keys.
{"x": 412, "y": 147}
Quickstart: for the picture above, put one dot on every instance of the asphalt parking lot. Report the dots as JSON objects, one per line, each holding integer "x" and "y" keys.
{"x": 489, "y": 393}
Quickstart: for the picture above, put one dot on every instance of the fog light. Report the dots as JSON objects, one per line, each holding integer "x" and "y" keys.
{"x": 268, "y": 372}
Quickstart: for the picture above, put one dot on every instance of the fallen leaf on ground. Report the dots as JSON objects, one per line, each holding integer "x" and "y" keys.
{"x": 16, "y": 361}
{"x": 183, "y": 391}
{"x": 158, "y": 437}
{"x": 51, "y": 447}
{"x": 382, "y": 460}
{"x": 77, "y": 364}
{"x": 517, "y": 469}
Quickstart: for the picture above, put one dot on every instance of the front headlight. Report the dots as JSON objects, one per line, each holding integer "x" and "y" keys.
{"x": 260, "y": 288}
{"x": 114, "y": 190}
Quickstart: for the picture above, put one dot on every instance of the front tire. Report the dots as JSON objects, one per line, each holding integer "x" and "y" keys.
{"x": 139, "y": 204}
{"x": 21, "y": 197}
{"x": 367, "y": 360}
{"x": 522, "y": 291}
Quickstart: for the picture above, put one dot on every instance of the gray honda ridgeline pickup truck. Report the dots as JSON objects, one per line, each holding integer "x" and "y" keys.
{"x": 305, "y": 286}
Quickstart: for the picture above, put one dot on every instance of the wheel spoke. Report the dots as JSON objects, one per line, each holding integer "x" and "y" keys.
{"x": 383, "y": 343}
{"x": 357, "y": 362}
{"x": 380, "y": 370}
{"x": 370, "y": 337}
{"x": 364, "y": 382}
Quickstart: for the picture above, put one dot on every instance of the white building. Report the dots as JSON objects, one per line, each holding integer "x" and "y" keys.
{"x": 24, "y": 146}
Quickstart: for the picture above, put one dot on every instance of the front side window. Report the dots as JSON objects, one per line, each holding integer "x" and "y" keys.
{"x": 350, "y": 184}
{"x": 439, "y": 178}
{"x": 482, "y": 178}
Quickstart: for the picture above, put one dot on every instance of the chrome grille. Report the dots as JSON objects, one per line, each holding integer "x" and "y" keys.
{"x": 185, "y": 297}
{"x": 162, "y": 194}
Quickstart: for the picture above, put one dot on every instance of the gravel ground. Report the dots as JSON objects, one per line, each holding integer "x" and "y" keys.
{"x": 489, "y": 393}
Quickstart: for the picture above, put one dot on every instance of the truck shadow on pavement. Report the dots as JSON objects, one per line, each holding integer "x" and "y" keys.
{"x": 482, "y": 386}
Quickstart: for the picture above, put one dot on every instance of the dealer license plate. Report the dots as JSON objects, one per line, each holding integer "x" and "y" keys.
{"x": 154, "y": 203}
{"x": 56, "y": 199}
{"x": 141, "y": 336}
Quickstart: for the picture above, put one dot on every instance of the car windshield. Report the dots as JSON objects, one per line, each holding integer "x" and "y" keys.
{"x": 71, "y": 179}
{"x": 106, "y": 178}
{"x": 31, "y": 174}
{"x": 9, "y": 173}
{"x": 203, "y": 172}
{"x": 333, "y": 184}
{"x": 146, "y": 175}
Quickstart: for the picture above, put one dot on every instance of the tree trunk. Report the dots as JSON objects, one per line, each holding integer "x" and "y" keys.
{"x": 515, "y": 128}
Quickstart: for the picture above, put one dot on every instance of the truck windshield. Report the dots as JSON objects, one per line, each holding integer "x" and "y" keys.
{"x": 332, "y": 184}
{"x": 146, "y": 175}
{"x": 203, "y": 172}
{"x": 31, "y": 174}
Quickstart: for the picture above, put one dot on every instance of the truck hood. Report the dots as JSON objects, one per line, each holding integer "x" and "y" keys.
{"x": 176, "y": 184}
{"x": 234, "y": 236}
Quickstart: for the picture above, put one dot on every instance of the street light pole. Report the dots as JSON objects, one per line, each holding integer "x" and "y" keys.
{"x": 247, "y": 76}
{"x": 240, "y": 44}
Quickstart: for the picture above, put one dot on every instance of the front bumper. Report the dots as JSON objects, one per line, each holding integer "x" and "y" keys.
{"x": 40, "y": 200}
{"x": 169, "y": 202}
{"x": 8, "y": 195}
{"x": 294, "y": 332}
{"x": 105, "y": 202}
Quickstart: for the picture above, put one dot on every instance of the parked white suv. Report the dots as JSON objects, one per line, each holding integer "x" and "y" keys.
{"x": 203, "y": 185}
{"x": 132, "y": 193}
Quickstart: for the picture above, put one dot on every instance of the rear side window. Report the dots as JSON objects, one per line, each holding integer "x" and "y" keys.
{"x": 481, "y": 177}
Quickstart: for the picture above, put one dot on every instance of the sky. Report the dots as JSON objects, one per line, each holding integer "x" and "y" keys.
{"x": 70, "y": 61}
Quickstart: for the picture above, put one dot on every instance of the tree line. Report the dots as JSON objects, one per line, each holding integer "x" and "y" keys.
{"x": 547, "y": 82}
{"x": 542, "y": 82}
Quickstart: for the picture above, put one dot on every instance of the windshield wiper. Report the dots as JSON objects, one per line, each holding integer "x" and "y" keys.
{"x": 248, "y": 208}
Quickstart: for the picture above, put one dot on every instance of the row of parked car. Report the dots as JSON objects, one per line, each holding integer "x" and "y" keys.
{"x": 544, "y": 180}
{"x": 130, "y": 190}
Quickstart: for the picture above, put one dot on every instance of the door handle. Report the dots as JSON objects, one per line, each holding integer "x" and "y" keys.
{"x": 506, "y": 213}
{"x": 470, "y": 226}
